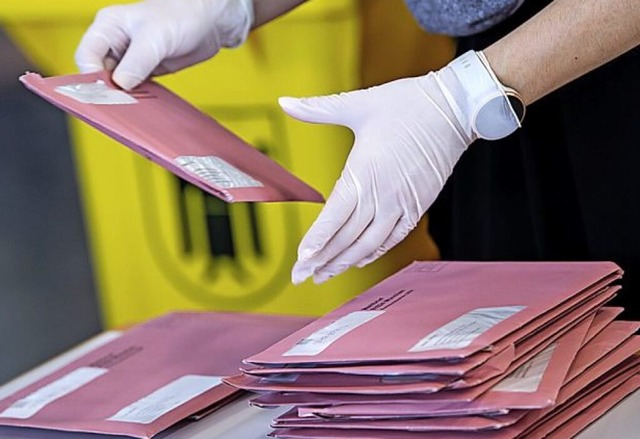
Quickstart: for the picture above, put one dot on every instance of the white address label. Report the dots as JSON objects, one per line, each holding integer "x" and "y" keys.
{"x": 217, "y": 172}
{"x": 97, "y": 93}
{"x": 460, "y": 332}
{"x": 36, "y": 401}
{"x": 149, "y": 408}
{"x": 323, "y": 338}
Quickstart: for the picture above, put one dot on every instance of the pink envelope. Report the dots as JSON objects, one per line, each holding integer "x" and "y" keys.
{"x": 604, "y": 316}
{"x": 451, "y": 399}
{"x": 464, "y": 396}
{"x": 505, "y": 433}
{"x": 617, "y": 360}
{"x": 584, "y": 413}
{"x": 459, "y": 424}
{"x": 169, "y": 131}
{"x": 340, "y": 383}
{"x": 320, "y": 433}
{"x": 496, "y": 366}
{"x": 444, "y": 367}
{"x": 593, "y": 357}
{"x": 473, "y": 385}
{"x": 438, "y": 310}
{"x": 550, "y": 382}
{"x": 387, "y": 386}
{"x": 329, "y": 433}
{"x": 549, "y": 419}
{"x": 605, "y": 342}
{"x": 529, "y": 336}
{"x": 149, "y": 378}
{"x": 590, "y": 385}
{"x": 535, "y": 336}
{"x": 533, "y": 385}
{"x": 602, "y": 377}
{"x": 537, "y": 342}
{"x": 458, "y": 368}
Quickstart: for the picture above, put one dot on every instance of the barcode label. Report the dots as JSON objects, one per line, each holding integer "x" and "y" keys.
{"x": 149, "y": 408}
{"x": 217, "y": 172}
{"x": 323, "y": 338}
{"x": 97, "y": 93}
{"x": 460, "y": 332}
{"x": 36, "y": 401}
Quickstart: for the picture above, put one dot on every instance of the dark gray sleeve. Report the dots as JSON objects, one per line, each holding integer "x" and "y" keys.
{"x": 461, "y": 17}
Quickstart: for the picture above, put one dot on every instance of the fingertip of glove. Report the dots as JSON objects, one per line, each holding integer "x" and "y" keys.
{"x": 321, "y": 278}
{"x": 297, "y": 279}
{"x": 301, "y": 272}
{"x": 126, "y": 81}
{"x": 288, "y": 103}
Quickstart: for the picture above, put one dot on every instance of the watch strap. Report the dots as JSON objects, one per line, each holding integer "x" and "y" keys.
{"x": 486, "y": 104}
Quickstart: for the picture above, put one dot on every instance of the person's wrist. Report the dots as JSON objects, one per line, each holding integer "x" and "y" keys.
{"x": 485, "y": 107}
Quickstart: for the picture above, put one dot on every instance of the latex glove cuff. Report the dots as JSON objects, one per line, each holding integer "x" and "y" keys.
{"x": 486, "y": 108}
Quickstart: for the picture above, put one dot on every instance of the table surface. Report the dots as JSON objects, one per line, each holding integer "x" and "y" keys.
{"x": 240, "y": 420}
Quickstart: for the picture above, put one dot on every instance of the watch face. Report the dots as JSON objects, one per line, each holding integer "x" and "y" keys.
{"x": 496, "y": 118}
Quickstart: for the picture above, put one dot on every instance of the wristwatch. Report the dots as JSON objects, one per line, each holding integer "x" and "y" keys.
{"x": 497, "y": 106}
{"x": 493, "y": 110}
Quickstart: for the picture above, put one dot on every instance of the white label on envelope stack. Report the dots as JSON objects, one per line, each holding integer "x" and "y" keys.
{"x": 323, "y": 338}
{"x": 151, "y": 407}
{"x": 217, "y": 172}
{"x": 36, "y": 401}
{"x": 460, "y": 332}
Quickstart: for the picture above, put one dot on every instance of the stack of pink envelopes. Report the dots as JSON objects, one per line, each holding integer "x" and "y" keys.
{"x": 148, "y": 378}
{"x": 454, "y": 350}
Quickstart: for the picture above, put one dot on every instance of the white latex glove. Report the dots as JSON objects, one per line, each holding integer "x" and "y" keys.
{"x": 409, "y": 134}
{"x": 155, "y": 37}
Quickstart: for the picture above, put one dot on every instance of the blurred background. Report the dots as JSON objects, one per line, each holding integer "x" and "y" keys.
{"x": 47, "y": 293}
{"x": 94, "y": 237}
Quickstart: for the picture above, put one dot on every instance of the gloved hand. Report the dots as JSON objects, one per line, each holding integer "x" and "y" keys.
{"x": 409, "y": 134}
{"x": 155, "y": 37}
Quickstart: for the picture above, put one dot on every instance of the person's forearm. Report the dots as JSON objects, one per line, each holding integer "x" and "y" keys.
{"x": 564, "y": 41}
{"x": 267, "y": 10}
